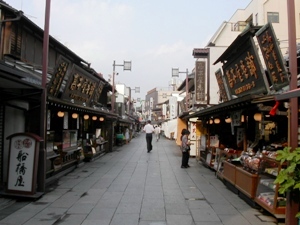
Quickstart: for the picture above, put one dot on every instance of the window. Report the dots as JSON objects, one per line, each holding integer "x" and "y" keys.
{"x": 16, "y": 40}
{"x": 273, "y": 17}
{"x": 239, "y": 26}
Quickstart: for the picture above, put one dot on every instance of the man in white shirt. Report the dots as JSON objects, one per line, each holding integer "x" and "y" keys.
{"x": 149, "y": 129}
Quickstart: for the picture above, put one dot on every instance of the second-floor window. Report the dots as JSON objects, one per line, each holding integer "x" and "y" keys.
{"x": 273, "y": 17}
{"x": 16, "y": 40}
{"x": 239, "y": 26}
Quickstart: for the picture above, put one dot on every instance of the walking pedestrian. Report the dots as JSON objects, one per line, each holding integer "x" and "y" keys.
{"x": 157, "y": 132}
{"x": 185, "y": 148}
{"x": 149, "y": 129}
{"x": 127, "y": 135}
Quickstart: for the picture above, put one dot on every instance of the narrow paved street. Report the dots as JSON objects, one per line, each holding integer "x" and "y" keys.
{"x": 132, "y": 187}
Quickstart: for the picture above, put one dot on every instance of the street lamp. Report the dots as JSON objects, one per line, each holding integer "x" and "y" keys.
{"x": 136, "y": 89}
{"x": 175, "y": 73}
{"x": 126, "y": 66}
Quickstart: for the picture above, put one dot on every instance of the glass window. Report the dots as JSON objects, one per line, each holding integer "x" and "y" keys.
{"x": 273, "y": 17}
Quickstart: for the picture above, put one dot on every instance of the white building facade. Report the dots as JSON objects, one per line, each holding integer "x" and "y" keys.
{"x": 259, "y": 13}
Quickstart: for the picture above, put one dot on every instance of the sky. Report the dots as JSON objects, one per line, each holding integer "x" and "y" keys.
{"x": 155, "y": 35}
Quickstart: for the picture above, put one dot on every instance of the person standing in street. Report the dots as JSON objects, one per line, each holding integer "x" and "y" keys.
{"x": 185, "y": 148}
{"x": 127, "y": 135}
{"x": 157, "y": 132}
{"x": 149, "y": 129}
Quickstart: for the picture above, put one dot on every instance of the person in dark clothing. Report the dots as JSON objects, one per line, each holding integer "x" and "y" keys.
{"x": 185, "y": 148}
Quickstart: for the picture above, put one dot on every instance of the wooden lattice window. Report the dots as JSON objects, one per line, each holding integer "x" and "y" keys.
{"x": 16, "y": 40}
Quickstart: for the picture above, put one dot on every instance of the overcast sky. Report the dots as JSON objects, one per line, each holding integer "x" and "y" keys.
{"x": 156, "y": 35}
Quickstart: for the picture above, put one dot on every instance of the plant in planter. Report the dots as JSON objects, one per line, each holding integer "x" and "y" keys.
{"x": 289, "y": 178}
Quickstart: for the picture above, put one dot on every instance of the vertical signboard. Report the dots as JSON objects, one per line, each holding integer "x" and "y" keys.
{"x": 173, "y": 107}
{"x": 164, "y": 109}
{"x": 200, "y": 81}
{"x": 193, "y": 137}
{"x": 58, "y": 76}
{"x": 272, "y": 56}
{"x": 222, "y": 87}
{"x": 23, "y": 160}
{"x": 98, "y": 91}
{"x": 243, "y": 72}
{"x": 182, "y": 105}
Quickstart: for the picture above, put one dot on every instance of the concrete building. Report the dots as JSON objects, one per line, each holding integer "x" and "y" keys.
{"x": 258, "y": 13}
{"x": 154, "y": 101}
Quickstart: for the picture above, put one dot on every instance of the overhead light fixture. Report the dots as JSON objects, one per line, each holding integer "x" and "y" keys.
{"x": 60, "y": 114}
{"x": 86, "y": 117}
{"x": 257, "y": 116}
{"x": 228, "y": 120}
{"x": 94, "y": 117}
{"x": 74, "y": 115}
{"x": 101, "y": 118}
{"x": 217, "y": 121}
{"x": 242, "y": 118}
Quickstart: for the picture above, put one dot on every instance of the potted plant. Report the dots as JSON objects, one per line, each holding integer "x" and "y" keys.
{"x": 288, "y": 178}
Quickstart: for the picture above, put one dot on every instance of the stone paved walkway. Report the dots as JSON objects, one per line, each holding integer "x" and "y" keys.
{"x": 132, "y": 187}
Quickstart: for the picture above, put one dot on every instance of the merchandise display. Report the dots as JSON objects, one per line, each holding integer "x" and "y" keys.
{"x": 253, "y": 174}
{"x": 267, "y": 195}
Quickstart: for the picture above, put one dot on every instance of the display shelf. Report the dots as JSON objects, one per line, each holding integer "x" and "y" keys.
{"x": 246, "y": 182}
{"x": 224, "y": 155}
{"x": 93, "y": 150}
{"x": 267, "y": 195}
{"x": 210, "y": 155}
{"x": 229, "y": 172}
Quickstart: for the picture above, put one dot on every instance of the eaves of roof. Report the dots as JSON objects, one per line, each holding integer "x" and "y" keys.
{"x": 212, "y": 41}
{"x": 81, "y": 108}
{"x": 52, "y": 41}
{"x": 235, "y": 104}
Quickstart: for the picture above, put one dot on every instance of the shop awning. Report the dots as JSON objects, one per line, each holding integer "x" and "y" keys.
{"x": 287, "y": 95}
{"x": 240, "y": 103}
{"x": 71, "y": 106}
{"x": 15, "y": 85}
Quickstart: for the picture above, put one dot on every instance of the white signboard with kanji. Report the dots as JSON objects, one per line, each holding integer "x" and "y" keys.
{"x": 22, "y": 167}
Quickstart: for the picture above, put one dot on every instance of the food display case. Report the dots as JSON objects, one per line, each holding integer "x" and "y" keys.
{"x": 267, "y": 195}
{"x": 66, "y": 145}
{"x": 69, "y": 139}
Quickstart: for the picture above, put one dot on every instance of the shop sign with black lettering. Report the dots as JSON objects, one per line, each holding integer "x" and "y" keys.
{"x": 58, "y": 76}
{"x": 243, "y": 72}
{"x": 98, "y": 91}
{"x": 272, "y": 56}
{"x": 81, "y": 86}
{"x": 221, "y": 83}
{"x": 182, "y": 105}
{"x": 200, "y": 81}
